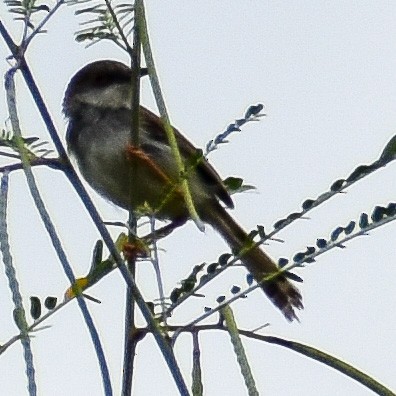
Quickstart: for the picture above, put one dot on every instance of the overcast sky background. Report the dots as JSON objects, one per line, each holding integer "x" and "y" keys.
{"x": 326, "y": 72}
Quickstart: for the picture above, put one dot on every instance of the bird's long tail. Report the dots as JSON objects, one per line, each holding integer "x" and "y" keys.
{"x": 279, "y": 290}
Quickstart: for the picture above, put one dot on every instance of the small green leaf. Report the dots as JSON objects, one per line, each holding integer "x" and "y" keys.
{"x": 20, "y": 319}
{"x": 252, "y": 234}
{"x": 337, "y": 185}
{"x": 363, "y": 221}
{"x": 174, "y": 296}
{"x": 349, "y": 228}
{"x": 198, "y": 268}
{"x": 294, "y": 216}
{"x": 35, "y": 307}
{"x": 254, "y": 110}
{"x": 279, "y": 223}
{"x": 223, "y": 259}
{"x": 391, "y": 209}
{"x": 307, "y": 204}
{"x": 378, "y": 213}
{"x": 97, "y": 255}
{"x": 321, "y": 243}
{"x": 293, "y": 276}
{"x": 30, "y": 140}
{"x": 235, "y": 289}
{"x": 188, "y": 283}
{"x": 50, "y": 302}
{"x": 42, "y": 7}
{"x": 336, "y": 233}
{"x": 359, "y": 172}
{"x": 261, "y": 231}
{"x": 282, "y": 262}
{"x": 310, "y": 250}
{"x": 235, "y": 185}
{"x": 389, "y": 152}
{"x": 298, "y": 257}
{"x": 212, "y": 268}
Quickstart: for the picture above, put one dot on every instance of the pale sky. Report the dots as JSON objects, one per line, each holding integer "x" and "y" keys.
{"x": 325, "y": 72}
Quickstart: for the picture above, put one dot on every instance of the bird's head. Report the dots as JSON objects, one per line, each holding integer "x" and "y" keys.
{"x": 104, "y": 83}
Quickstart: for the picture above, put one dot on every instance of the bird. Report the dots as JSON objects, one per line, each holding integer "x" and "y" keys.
{"x": 98, "y": 107}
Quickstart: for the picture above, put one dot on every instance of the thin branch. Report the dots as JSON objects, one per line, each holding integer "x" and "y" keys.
{"x": 12, "y": 108}
{"x": 130, "y": 341}
{"x": 307, "y": 351}
{"x": 40, "y": 26}
{"x": 127, "y": 48}
{"x": 19, "y": 311}
{"x": 197, "y": 386}
{"x": 157, "y": 269}
{"x": 53, "y": 163}
{"x": 142, "y": 26}
{"x": 242, "y": 359}
{"x": 325, "y": 358}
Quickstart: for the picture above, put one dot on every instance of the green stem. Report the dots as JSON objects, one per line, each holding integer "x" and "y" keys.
{"x": 246, "y": 371}
{"x": 142, "y": 25}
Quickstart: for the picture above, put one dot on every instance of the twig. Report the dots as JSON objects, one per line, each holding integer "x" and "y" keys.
{"x": 307, "y": 351}
{"x": 130, "y": 341}
{"x": 142, "y": 25}
{"x": 157, "y": 270}
{"x": 239, "y": 350}
{"x": 39, "y": 27}
{"x": 11, "y": 100}
{"x": 127, "y": 47}
{"x": 19, "y": 311}
{"x": 197, "y": 387}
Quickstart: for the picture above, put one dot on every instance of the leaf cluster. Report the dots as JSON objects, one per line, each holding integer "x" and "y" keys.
{"x": 253, "y": 113}
{"x": 25, "y": 9}
{"x": 32, "y": 145}
{"x": 104, "y": 21}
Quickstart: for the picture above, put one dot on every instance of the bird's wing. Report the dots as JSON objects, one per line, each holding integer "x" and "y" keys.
{"x": 189, "y": 152}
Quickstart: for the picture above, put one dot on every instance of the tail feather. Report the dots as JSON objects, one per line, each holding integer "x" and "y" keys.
{"x": 279, "y": 290}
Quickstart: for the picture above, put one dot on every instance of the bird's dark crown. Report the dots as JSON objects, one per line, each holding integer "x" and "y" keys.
{"x": 94, "y": 78}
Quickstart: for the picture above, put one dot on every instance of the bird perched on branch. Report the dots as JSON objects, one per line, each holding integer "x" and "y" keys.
{"x": 98, "y": 107}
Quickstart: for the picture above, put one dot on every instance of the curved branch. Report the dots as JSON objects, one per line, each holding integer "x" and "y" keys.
{"x": 308, "y": 351}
